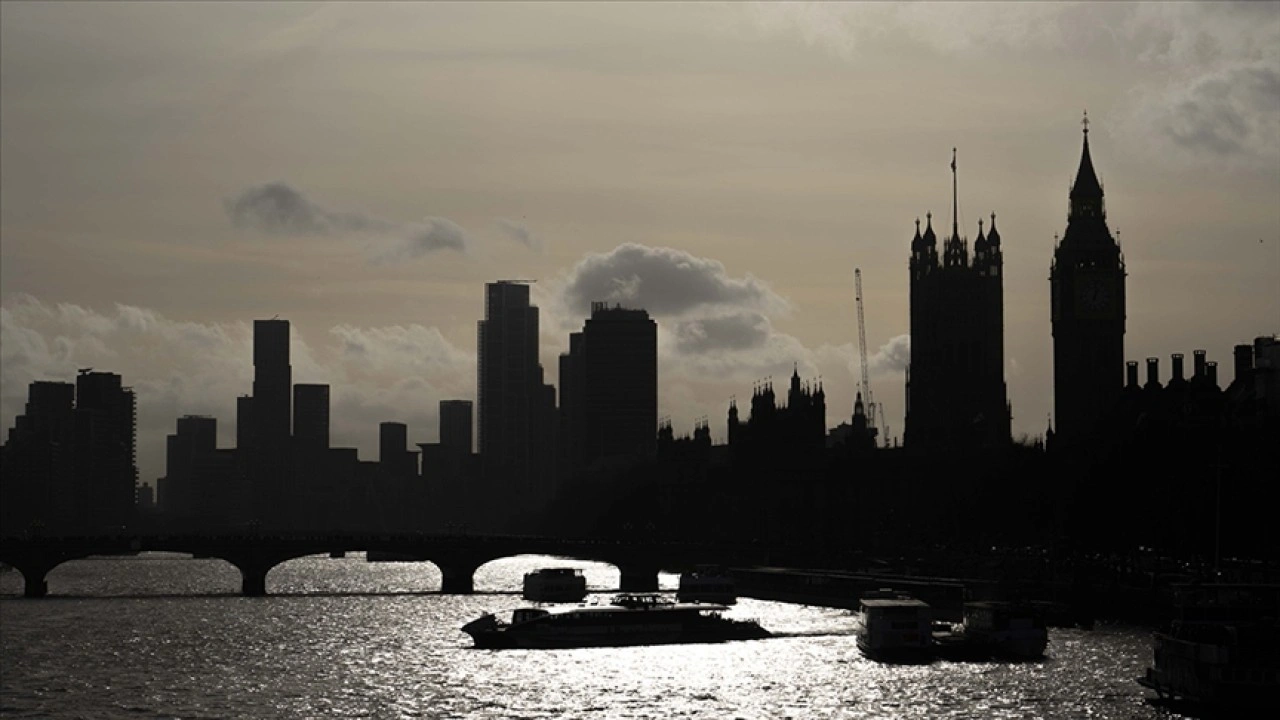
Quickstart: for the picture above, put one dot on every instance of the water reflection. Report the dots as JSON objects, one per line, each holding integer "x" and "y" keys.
{"x": 119, "y": 640}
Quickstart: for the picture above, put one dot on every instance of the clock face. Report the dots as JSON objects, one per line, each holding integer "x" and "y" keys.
{"x": 1095, "y": 295}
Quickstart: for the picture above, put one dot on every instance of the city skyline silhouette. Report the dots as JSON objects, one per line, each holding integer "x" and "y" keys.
{"x": 743, "y": 206}
{"x": 874, "y": 359}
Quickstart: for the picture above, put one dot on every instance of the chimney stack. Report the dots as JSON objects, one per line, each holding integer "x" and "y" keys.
{"x": 1177, "y": 369}
{"x": 1211, "y": 371}
{"x": 1153, "y": 372}
{"x": 1244, "y": 361}
{"x": 1199, "y": 363}
{"x": 1131, "y": 374}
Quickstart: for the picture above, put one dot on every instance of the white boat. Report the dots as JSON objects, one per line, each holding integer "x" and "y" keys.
{"x": 708, "y": 585}
{"x": 555, "y": 585}
{"x": 895, "y": 627}
{"x": 631, "y": 619}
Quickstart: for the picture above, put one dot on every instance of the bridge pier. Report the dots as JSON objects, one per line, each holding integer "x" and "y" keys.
{"x": 457, "y": 578}
{"x": 34, "y": 584}
{"x": 638, "y": 578}
{"x": 253, "y": 575}
{"x": 253, "y": 583}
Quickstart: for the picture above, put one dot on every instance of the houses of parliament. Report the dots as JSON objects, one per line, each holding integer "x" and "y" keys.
{"x": 955, "y": 387}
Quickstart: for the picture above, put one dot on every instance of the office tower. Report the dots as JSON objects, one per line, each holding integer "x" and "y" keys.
{"x": 244, "y": 423}
{"x": 190, "y": 479}
{"x": 311, "y": 415}
{"x": 1088, "y": 311}
{"x": 510, "y": 389}
{"x": 610, "y": 384}
{"x": 394, "y": 457}
{"x": 272, "y": 380}
{"x": 956, "y": 395}
{"x": 269, "y": 469}
{"x": 455, "y": 426}
{"x": 37, "y": 480}
{"x": 105, "y": 449}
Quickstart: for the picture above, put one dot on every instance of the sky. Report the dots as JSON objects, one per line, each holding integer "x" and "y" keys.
{"x": 171, "y": 171}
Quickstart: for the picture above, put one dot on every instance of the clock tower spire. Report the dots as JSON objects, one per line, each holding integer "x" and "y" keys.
{"x": 1087, "y": 278}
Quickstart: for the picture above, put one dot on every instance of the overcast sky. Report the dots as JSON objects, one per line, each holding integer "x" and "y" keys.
{"x": 169, "y": 172}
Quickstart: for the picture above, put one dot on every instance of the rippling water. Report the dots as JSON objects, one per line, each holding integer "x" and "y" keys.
{"x": 161, "y": 635}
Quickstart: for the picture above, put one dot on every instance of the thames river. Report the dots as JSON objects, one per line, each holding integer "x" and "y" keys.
{"x": 167, "y": 636}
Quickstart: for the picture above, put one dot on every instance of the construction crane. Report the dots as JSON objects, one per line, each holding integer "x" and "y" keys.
{"x": 862, "y": 349}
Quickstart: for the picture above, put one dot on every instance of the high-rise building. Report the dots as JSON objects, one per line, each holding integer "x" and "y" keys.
{"x": 1087, "y": 279}
{"x": 244, "y": 424}
{"x": 272, "y": 380}
{"x": 37, "y": 480}
{"x": 609, "y": 387}
{"x": 394, "y": 457}
{"x": 455, "y": 426}
{"x": 190, "y": 481}
{"x": 311, "y": 415}
{"x": 105, "y": 449}
{"x": 510, "y": 389}
{"x": 956, "y": 395}
{"x": 269, "y": 469}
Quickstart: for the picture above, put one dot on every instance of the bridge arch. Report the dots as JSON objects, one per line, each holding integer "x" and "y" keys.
{"x": 506, "y": 573}
{"x": 354, "y": 573}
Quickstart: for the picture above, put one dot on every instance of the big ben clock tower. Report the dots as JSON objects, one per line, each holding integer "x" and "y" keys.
{"x": 1087, "y": 298}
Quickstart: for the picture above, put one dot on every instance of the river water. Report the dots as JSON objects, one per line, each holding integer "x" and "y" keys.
{"x": 166, "y": 636}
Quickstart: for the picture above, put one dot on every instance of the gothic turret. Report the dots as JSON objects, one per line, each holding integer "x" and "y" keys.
{"x": 993, "y": 237}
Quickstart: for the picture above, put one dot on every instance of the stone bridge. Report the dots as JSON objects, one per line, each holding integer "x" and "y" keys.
{"x": 457, "y": 556}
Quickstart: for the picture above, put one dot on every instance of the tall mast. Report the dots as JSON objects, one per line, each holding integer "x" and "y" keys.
{"x": 955, "y": 215}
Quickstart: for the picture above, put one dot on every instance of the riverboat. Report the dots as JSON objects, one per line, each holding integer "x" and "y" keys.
{"x": 559, "y": 585}
{"x": 709, "y": 585}
{"x": 994, "y": 630}
{"x": 630, "y": 619}
{"x": 1220, "y": 650}
{"x": 895, "y": 627}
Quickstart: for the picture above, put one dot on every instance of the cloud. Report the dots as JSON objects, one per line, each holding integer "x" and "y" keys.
{"x": 178, "y": 367}
{"x": 1217, "y": 64}
{"x": 1227, "y": 114}
{"x": 520, "y": 234}
{"x": 418, "y": 239}
{"x": 850, "y": 31}
{"x": 893, "y": 356}
{"x": 735, "y": 331}
{"x": 664, "y": 281}
{"x": 278, "y": 208}
{"x": 1221, "y": 95}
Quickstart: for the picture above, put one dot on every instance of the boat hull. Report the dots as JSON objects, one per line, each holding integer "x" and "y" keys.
{"x": 504, "y": 640}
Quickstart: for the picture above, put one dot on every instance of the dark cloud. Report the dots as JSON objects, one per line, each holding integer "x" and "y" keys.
{"x": 280, "y": 209}
{"x": 736, "y": 331}
{"x": 1231, "y": 112}
{"x": 663, "y": 281}
{"x": 427, "y": 236}
{"x": 521, "y": 234}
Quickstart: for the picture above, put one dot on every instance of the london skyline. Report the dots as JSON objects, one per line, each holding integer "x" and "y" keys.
{"x": 728, "y": 183}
